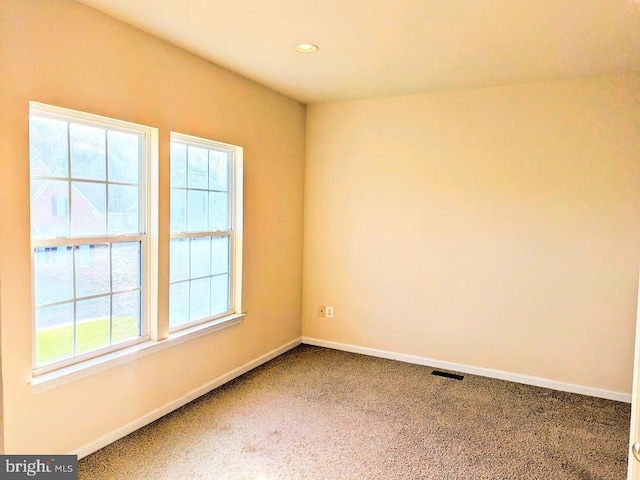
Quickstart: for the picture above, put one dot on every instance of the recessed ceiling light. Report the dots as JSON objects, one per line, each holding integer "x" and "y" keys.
{"x": 306, "y": 48}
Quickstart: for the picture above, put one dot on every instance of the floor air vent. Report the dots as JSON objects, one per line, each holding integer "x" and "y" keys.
{"x": 447, "y": 374}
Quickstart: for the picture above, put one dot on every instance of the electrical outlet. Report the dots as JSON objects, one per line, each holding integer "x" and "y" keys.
{"x": 321, "y": 311}
{"x": 329, "y": 311}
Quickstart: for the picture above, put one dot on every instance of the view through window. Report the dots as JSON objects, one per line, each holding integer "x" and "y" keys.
{"x": 202, "y": 230}
{"x": 88, "y": 224}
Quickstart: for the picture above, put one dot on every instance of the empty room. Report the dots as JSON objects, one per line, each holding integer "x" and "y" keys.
{"x": 355, "y": 239}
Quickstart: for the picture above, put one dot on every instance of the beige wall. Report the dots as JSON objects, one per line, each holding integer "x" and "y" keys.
{"x": 62, "y": 53}
{"x": 495, "y": 228}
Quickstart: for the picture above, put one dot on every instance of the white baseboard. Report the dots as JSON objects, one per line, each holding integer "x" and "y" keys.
{"x": 101, "y": 442}
{"x": 483, "y": 372}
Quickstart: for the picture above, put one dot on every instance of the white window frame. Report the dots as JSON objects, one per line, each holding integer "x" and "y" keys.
{"x": 148, "y": 228}
{"x": 234, "y": 232}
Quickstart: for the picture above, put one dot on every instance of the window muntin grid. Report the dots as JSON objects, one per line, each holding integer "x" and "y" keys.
{"x": 202, "y": 231}
{"x": 87, "y": 208}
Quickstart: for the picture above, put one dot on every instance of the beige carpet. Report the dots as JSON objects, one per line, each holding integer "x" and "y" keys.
{"x": 315, "y": 413}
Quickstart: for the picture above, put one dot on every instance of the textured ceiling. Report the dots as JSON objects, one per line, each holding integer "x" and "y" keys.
{"x": 376, "y": 48}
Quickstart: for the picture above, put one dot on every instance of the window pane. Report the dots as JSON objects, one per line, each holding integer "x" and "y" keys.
{"x": 218, "y": 211}
{"x": 124, "y": 149}
{"x": 49, "y": 208}
{"x": 219, "y": 255}
{"x": 48, "y": 147}
{"x": 219, "y": 294}
{"x": 179, "y": 259}
{"x": 53, "y": 269}
{"x": 88, "y": 157}
{"x": 123, "y": 209}
{"x": 93, "y": 326}
{"x": 197, "y": 160}
{"x": 218, "y": 176}
{"x": 178, "y": 303}
{"x": 199, "y": 299}
{"x": 200, "y": 257}
{"x": 197, "y": 211}
{"x": 126, "y": 316}
{"x": 54, "y": 333}
{"x": 125, "y": 265}
{"x": 178, "y": 165}
{"x": 178, "y": 210}
{"x": 88, "y": 206}
{"x": 200, "y": 269}
{"x": 92, "y": 270}
{"x": 86, "y": 181}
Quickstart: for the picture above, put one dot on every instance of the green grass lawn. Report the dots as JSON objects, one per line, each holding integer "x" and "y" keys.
{"x": 57, "y": 343}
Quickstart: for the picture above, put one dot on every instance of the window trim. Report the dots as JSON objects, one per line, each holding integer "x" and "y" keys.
{"x": 234, "y": 231}
{"x": 76, "y": 371}
{"x": 147, "y": 236}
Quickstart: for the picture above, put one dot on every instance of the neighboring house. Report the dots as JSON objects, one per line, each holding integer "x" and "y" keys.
{"x": 52, "y": 202}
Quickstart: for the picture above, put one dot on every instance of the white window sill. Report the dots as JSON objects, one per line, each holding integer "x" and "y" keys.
{"x": 71, "y": 373}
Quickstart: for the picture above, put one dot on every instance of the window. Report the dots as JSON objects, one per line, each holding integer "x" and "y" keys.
{"x": 206, "y": 221}
{"x": 90, "y": 219}
{"x": 94, "y": 240}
